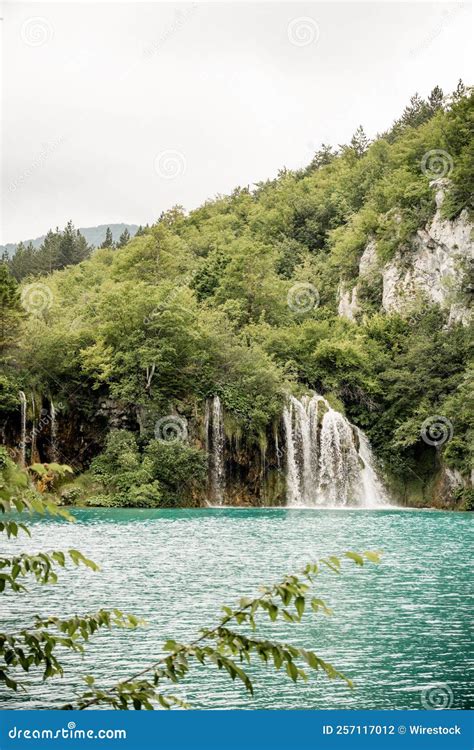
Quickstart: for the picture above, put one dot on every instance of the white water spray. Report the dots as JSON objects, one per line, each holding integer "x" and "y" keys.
{"x": 328, "y": 460}
{"x": 214, "y": 443}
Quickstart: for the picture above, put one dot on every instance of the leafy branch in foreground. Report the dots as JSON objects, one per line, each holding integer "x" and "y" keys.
{"x": 35, "y": 646}
{"x": 17, "y": 494}
{"x": 225, "y": 645}
{"x": 228, "y": 648}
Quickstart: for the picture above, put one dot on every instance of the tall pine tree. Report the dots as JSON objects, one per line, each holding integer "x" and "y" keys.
{"x": 109, "y": 240}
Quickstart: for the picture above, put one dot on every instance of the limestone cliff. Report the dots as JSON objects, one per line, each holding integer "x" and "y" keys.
{"x": 436, "y": 266}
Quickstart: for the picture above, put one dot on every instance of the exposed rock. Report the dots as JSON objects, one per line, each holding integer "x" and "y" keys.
{"x": 118, "y": 417}
{"x": 369, "y": 261}
{"x": 442, "y": 491}
{"x": 348, "y": 306}
{"x": 434, "y": 266}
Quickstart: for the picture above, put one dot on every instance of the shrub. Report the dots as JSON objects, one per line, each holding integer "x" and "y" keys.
{"x": 179, "y": 468}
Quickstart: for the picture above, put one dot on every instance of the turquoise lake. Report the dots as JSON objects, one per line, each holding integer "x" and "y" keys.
{"x": 398, "y": 628}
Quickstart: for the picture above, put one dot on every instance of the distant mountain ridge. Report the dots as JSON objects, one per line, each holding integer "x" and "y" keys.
{"x": 93, "y": 235}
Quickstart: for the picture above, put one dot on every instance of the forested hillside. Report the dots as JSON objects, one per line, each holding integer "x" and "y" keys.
{"x": 62, "y": 248}
{"x": 242, "y": 298}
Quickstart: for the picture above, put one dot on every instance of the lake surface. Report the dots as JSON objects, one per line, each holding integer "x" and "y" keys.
{"x": 398, "y": 628}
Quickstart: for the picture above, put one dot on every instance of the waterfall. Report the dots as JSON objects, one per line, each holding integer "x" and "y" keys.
{"x": 277, "y": 450}
{"x": 214, "y": 443}
{"x": 207, "y": 421}
{"x": 292, "y": 468}
{"x": 328, "y": 460}
{"x": 23, "y": 428}
{"x": 374, "y": 492}
{"x": 54, "y": 432}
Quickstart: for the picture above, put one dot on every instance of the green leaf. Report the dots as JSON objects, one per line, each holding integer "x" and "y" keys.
{"x": 372, "y": 556}
{"x": 358, "y": 559}
{"x": 300, "y": 605}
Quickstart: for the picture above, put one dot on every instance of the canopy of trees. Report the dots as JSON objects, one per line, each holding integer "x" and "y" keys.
{"x": 197, "y": 304}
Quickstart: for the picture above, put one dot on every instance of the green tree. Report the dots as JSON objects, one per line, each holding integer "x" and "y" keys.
{"x": 124, "y": 238}
{"x": 108, "y": 240}
{"x": 11, "y": 317}
{"x": 73, "y": 247}
{"x": 11, "y": 310}
{"x": 436, "y": 99}
{"x": 359, "y": 142}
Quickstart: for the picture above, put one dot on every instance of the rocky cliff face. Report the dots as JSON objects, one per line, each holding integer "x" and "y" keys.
{"x": 435, "y": 266}
{"x": 441, "y": 257}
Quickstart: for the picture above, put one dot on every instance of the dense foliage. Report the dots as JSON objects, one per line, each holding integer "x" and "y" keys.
{"x": 163, "y": 474}
{"x": 201, "y": 304}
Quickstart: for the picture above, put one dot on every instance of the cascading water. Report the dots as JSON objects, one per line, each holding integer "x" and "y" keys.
{"x": 23, "y": 428}
{"x": 374, "y": 492}
{"x": 54, "y": 432}
{"x": 214, "y": 443}
{"x": 207, "y": 421}
{"x": 328, "y": 460}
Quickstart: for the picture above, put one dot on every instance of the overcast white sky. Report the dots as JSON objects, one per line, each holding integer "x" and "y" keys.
{"x": 93, "y": 93}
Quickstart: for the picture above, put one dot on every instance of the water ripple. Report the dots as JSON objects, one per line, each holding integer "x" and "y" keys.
{"x": 396, "y": 627}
